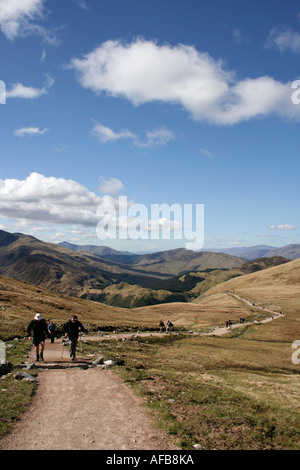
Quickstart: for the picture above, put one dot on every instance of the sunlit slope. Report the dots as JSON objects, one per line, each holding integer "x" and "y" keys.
{"x": 276, "y": 288}
{"x": 19, "y": 301}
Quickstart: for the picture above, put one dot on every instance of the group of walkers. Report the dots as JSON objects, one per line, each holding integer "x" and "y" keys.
{"x": 40, "y": 331}
{"x": 229, "y": 322}
{"x": 168, "y": 328}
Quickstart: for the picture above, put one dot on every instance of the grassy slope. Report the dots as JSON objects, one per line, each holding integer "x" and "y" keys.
{"x": 19, "y": 301}
{"x": 277, "y": 288}
{"x": 235, "y": 392}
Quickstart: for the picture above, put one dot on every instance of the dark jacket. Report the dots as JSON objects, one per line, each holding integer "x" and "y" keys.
{"x": 73, "y": 328}
{"x": 39, "y": 329}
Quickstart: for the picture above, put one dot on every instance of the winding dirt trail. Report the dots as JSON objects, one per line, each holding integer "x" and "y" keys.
{"x": 88, "y": 409}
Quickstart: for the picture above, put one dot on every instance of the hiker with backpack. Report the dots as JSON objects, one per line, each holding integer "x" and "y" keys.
{"x": 40, "y": 332}
{"x": 72, "y": 329}
{"x": 169, "y": 326}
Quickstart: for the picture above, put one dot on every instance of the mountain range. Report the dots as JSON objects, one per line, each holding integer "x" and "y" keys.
{"x": 274, "y": 286}
{"x": 85, "y": 274}
{"x": 121, "y": 278}
{"x": 253, "y": 252}
{"x": 291, "y": 251}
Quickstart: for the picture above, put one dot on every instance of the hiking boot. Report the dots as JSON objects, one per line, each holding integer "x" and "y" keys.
{"x": 37, "y": 358}
{"x": 41, "y": 356}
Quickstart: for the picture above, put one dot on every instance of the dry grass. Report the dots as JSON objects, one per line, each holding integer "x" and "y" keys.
{"x": 234, "y": 392}
{"x": 221, "y": 393}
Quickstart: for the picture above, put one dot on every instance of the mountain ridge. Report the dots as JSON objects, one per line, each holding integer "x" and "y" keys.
{"x": 77, "y": 273}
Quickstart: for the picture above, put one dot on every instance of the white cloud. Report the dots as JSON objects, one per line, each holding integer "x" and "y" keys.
{"x": 57, "y": 201}
{"x": 105, "y": 134}
{"x": 49, "y": 205}
{"x": 282, "y": 227}
{"x": 159, "y": 136}
{"x": 143, "y": 71}
{"x": 29, "y": 131}
{"x": 19, "y": 18}
{"x": 82, "y": 4}
{"x": 207, "y": 153}
{"x": 48, "y": 199}
{"x": 163, "y": 224}
{"x": 287, "y": 39}
{"x": 25, "y": 92}
{"x": 112, "y": 186}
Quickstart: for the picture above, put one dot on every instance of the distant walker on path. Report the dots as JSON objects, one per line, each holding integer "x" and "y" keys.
{"x": 72, "y": 328}
{"x": 169, "y": 327}
{"x": 161, "y": 326}
{"x": 52, "y": 329}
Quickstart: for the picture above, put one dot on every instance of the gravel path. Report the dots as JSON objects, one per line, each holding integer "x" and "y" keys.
{"x": 76, "y": 409}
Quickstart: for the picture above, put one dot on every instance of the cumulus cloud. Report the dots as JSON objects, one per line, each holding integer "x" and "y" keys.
{"x": 143, "y": 71}
{"x": 282, "y": 227}
{"x": 18, "y": 90}
{"x": 19, "y": 18}
{"x": 29, "y": 131}
{"x": 58, "y": 201}
{"x": 48, "y": 199}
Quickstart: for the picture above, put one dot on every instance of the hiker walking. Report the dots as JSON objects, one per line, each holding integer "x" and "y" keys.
{"x": 72, "y": 328}
{"x": 169, "y": 326}
{"x": 39, "y": 328}
{"x": 52, "y": 328}
{"x": 161, "y": 326}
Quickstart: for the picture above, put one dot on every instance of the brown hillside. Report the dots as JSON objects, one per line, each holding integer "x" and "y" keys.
{"x": 180, "y": 260}
{"x": 276, "y": 288}
{"x": 55, "y": 267}
{"x": 19, "y": 301}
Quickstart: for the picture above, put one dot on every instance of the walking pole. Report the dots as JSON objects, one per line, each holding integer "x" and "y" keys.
{"x": 80, "y": 345}
{"x": 62, "y": 351}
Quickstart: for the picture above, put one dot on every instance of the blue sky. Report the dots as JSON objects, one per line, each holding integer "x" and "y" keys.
{"x": 164, "y": 102}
